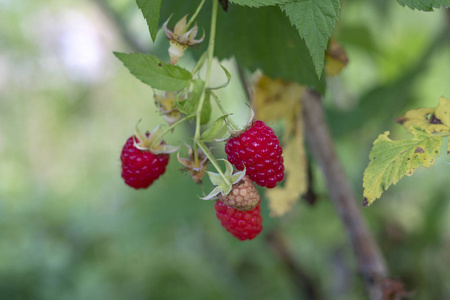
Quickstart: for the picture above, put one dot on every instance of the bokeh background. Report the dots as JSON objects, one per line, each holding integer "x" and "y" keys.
{"x": 70, "y": 228}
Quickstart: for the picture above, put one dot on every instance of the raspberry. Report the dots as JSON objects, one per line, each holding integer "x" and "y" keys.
{"x": 258, "y": 148}
{"x": 141, "y": 168}
{"x": 243, "y": 196}
{"x": 244, "y": 225}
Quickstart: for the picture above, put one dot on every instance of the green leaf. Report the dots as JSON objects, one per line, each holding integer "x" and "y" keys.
{"x": 217, "y": 130}
{"x": 154, "y": 72}
{"x": 314, "y": 20}
{"x": 259, "y": 38}
{"x": 150, "y": 9}
{"x": 391, "y": 160}
{"x": 258, "y": 3}
{"x": 425, "y": 5}
{"x": 226, "y": 83}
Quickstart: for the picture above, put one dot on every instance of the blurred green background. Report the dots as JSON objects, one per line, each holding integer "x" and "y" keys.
{"x": 71, "y": 229}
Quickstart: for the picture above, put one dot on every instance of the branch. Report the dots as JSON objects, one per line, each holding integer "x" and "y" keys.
{"x": 370, "y": 262}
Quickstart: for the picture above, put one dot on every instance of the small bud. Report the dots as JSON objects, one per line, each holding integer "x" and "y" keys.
{"x": 167, "y": 104}
{"x": 180, "y": 39}
{"x": 197, "y": 170}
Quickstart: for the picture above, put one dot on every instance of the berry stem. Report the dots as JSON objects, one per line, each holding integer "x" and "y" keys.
{"x": 199, "y": 63}
{"x": 213, "y": 161}
{"x": 228, "y": 119}
{"x": 199, "y": 8}
{"x": 210, "y": 53}
{"x": 170, "y": 128}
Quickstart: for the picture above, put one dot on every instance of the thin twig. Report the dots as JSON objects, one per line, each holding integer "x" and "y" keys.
{"x": 370, "y": 262}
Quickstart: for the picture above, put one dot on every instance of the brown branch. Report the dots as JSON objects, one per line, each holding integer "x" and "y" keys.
{"x": 370, "y": 262}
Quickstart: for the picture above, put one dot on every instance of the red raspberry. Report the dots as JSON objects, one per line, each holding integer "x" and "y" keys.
{"x": 244, "y": 225}
{"x": 141, "y": 168}
{"x": 258, "y": 148}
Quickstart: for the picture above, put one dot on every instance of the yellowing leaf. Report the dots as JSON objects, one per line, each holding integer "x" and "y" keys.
{"x": 442, "y": 111}
{"x": 335, "y": 59}
{"x": 275, "y": 99}
{"x": 391, "y": 160}
{"x": 281, "y": 199}
{"x": 432, "y": 120}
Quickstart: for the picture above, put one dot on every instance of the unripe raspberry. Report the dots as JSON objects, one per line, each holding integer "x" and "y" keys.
{"x": 243, "y": 196}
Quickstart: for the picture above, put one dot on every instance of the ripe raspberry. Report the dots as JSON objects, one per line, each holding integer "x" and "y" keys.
{"x": 258, "y": 148}
{"x": 244, "y": 225}
{"x": 141, "y": 168}
{"x": 243, "y": 196}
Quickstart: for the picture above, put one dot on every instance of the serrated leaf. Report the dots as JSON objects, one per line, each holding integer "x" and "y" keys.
{"x": 261, "y": 38}
{"x": 226, "y": 83}
{"x": 258, "y": 3}
{"x": 425, "y": 5}
{"x": 314, "y": 20}
{"x": 391, "y": 160}
{"x": 154, "y": 72}
{"x": 282, "y": 199}
{"x": 217, "y": 130}
{"x": 428, "y": 119}
{"x": 150, "y": 9}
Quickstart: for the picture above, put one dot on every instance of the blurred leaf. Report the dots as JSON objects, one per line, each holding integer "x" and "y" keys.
{"x": 276, "y": 99}
{"x": 358, "y": 36}
{"x": 425, "y": 5}
{"x": 335, "y": 59}
{"x": 150, "y": 10}
{"x": 282, "y": 199}
{"x": 391, "y": 160}
{"x": 394, "y": 95}
{"x": 154, "y": 72}
{"x": 259, "y": 38}
{"x": 314, "y": 20}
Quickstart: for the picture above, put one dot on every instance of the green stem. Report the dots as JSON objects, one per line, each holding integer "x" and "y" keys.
{"x": 211, "y": 158}
{"x": 156, "y": 141}
{"x": 229, "y": 120}
{"x": 199, "y": 63}
{"x": 191, "y": 20}
{"x": 210, "y": 53}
